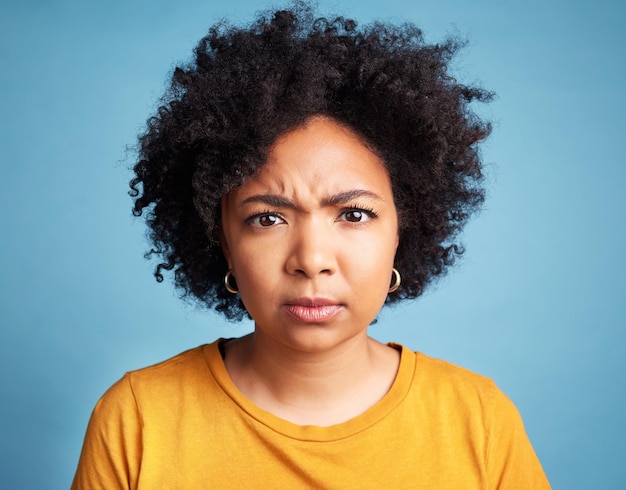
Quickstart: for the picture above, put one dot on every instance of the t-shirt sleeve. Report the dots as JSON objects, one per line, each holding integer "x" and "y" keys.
{"x": 111, "y": 453}
{"x": 511, "y": 460}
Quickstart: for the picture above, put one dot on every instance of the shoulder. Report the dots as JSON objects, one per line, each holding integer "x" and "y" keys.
{"x": 184, "y": 372}
{"x": 447, "y": 371}
{"x": 459, "y": 402}
{"x": 455, "y": 396}
{"x": 436, "y": 378}
{"x": 187, "y": 363}
{"x": 134, "y": 409}
{"x": 445, "y": 378}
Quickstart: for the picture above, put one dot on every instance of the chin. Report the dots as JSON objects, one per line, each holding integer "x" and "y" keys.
{"x": 317, "y": 338}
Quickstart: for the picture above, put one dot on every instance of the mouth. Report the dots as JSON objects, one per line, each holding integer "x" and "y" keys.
{"x": 312, "y": 310}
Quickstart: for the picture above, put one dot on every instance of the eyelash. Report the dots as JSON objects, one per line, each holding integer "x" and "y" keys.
{"x": 369, "y": 212}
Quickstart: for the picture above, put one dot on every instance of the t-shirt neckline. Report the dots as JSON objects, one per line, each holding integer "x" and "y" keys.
{"x": 398, "y": 391}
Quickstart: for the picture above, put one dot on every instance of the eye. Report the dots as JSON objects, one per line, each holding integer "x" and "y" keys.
{"x": 356, "y": 215}
{"x": 265, "y": 220}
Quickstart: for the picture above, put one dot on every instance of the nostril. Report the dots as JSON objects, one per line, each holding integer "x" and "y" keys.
{"x": 312, "y": 272}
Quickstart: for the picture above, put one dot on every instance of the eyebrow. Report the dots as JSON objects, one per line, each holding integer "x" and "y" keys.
{"x": 334, "y": 200}
{"x": 347, "y": 196}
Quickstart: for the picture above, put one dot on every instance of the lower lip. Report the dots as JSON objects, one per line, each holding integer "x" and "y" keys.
{"x": 313, "y": 314}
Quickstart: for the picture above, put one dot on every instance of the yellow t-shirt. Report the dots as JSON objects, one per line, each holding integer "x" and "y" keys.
{"x": 183, "y": 424}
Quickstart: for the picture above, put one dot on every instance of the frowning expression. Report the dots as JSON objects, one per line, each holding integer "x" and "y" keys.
{"x": 311, "y": 237}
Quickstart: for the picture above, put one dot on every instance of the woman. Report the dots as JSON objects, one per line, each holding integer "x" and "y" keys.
{"x": 304, "y": 172}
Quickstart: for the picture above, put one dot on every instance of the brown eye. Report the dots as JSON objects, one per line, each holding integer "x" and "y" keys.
{"x": 355, "y": 216}
{"x": 265, "y": 220}
{"x": 268, "y": 220}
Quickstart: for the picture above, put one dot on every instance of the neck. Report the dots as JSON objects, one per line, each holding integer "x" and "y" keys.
{"x": 322, "y": 387}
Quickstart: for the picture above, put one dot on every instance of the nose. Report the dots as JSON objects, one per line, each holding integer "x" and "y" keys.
{"x": 312, "y": 249}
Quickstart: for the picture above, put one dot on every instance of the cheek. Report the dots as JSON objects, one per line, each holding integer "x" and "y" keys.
{"x": 256, "y": 271}
{"x": 371, "y": 267}
{"x": 379, "y": 249}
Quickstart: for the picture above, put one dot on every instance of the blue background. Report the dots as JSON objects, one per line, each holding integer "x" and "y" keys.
{"x": 537, "y": 303}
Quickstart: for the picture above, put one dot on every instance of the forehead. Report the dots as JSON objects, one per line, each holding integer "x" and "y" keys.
{"x": 320, "y": 158}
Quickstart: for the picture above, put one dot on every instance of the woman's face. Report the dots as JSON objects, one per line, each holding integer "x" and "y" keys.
{"x": 311, "y": 238}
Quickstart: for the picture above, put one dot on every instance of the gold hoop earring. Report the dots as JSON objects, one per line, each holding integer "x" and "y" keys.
{"x": 229, "y": 288}
{"x": 396, "y": 281}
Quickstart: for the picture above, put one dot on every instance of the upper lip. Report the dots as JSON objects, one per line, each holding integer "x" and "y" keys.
{"x": 312, "y": 302}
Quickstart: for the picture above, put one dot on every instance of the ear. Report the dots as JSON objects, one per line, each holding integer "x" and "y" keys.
{"x": 225, "y": 249}
{"x": 398, "y": 232}
{"x": 398, "y": 228}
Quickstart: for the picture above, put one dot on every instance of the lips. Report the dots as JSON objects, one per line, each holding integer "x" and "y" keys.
{"x": 312, "y": 310}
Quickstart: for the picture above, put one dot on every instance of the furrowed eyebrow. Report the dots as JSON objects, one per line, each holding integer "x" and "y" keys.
{"x": 271, "y": 200}
{"x": 347, "y": 196}
{"x": 277, "y": 201}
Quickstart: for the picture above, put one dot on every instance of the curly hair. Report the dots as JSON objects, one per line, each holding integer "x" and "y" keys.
{"x": 248, "y": 85}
